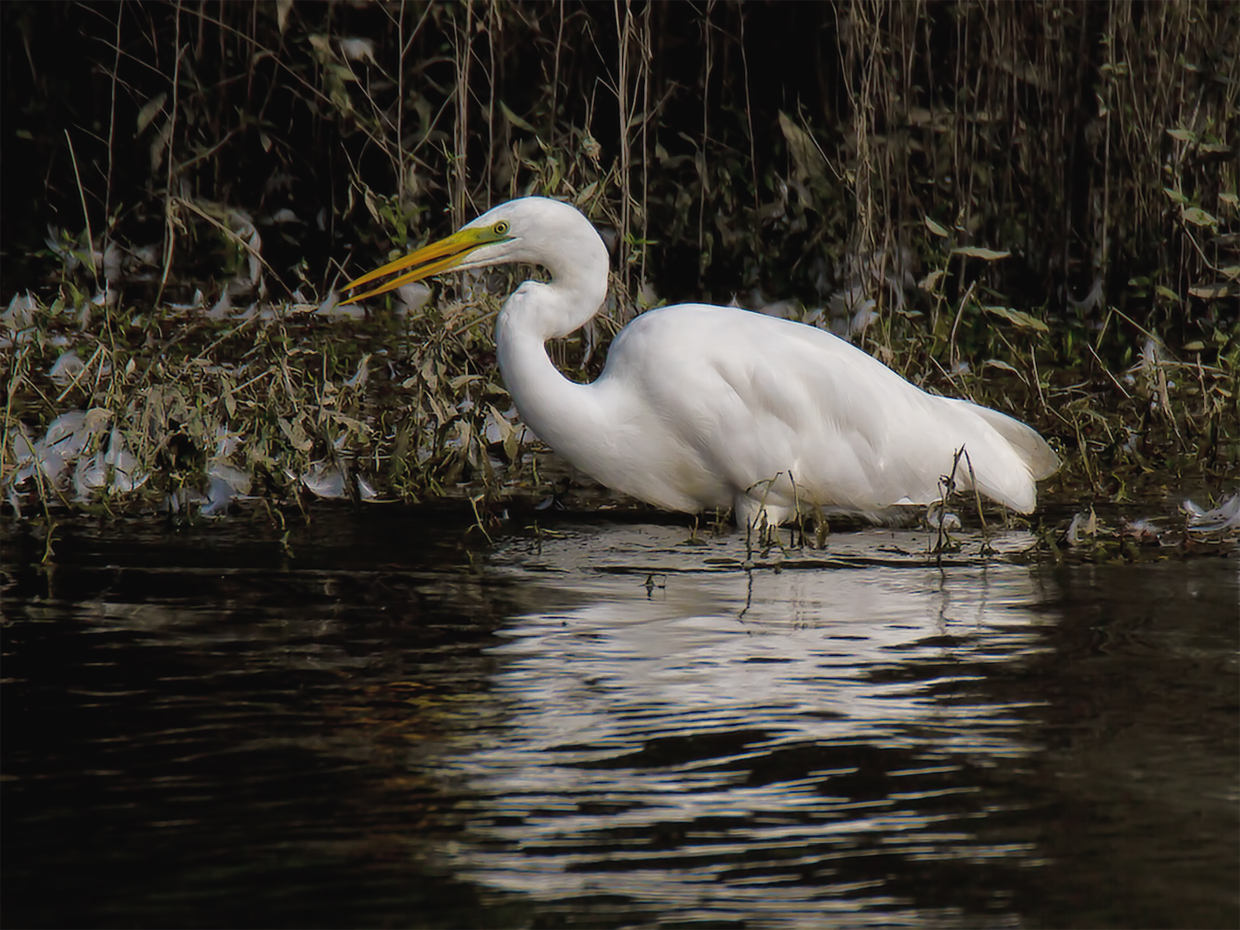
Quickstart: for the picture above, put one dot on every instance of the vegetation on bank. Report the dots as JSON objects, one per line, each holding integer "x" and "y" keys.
{"x": 1033, "y": 206}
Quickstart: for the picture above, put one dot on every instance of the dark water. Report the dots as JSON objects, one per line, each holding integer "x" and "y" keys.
{"x": 384, "y": 721}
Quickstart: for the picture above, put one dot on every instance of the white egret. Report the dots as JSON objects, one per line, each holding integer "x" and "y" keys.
{"x": 702, "y": 406}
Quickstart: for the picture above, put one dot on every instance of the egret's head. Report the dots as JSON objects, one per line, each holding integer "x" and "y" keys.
{"x": 532, "y": 229}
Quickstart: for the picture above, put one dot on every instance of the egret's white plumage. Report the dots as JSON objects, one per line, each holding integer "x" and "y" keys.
{"x": 701, "y": 406}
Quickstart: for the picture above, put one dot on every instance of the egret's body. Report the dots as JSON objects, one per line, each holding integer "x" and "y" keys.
{"x": 701, "y": 406}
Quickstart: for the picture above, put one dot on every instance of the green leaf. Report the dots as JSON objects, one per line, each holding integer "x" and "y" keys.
{"x": 936, "y": 228}
{"x": 1020, "y": 318}
{"x": 807, "y": 158}
{"x": 322, "y": 48}
{"x": 343, "y": 72}
{"x": 1166, "y": 292}
{"x": 514, "y": 119}
{"x": 1175, "y": 196}
{"x": 1215, "y": 291}
{"x": 296, "y": 435}
{"x": 986, "y": 255}
{"x": 1198, "y": 217}
{"x": 149, "y": 111}
{"x": 585, "y": 193}
{"x": 1183, "y": 135}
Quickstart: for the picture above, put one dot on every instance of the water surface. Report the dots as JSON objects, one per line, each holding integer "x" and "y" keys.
{"x": 381, "y": 718}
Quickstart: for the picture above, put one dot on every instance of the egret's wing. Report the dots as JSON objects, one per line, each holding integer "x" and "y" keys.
{"x": 755, "y": 398}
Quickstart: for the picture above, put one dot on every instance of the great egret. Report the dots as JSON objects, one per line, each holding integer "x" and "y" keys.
{"x": 701, "y": 406}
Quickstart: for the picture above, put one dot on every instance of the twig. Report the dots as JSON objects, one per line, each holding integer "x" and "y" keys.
{"x": 228, "y": 233}
{"x": 1037, "y": 380}
{"x": 951, "y": 340}
{"x": 78, "y": 377}
{"x": 170, "y": 220}
{"x": 209, "y": 153}
{"x": 948, "y": 484}
{"x": 977, "y": 499}
{"x": 90, "y": 236}
{"x": 116, "y": 66}
{"x": 464, "y": 57}
{"x": 1107, "y": 372}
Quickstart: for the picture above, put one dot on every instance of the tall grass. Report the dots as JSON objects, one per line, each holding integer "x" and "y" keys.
{"x": 846, "y": 156}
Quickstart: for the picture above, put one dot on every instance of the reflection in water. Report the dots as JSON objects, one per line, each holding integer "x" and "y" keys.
{"x": 748, "y": 743}
{"x": 608, "y": 727}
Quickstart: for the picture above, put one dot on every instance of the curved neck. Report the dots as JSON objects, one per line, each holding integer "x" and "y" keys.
{"x": 572, "y": 297}
{"x": 559, "y": 411}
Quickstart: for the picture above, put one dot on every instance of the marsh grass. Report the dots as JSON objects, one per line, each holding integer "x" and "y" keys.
{"x": 285, "y": 396}
{"x": 1031, "y": 206}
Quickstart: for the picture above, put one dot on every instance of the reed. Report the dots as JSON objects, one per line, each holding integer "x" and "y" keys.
{"x": 1033, "y": 205}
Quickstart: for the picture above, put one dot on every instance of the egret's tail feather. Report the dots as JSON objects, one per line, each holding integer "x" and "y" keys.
{"x": 1011, "y": 461}
{"x": 1039, "y": 457}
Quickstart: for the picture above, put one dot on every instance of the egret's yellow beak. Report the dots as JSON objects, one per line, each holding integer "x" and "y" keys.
{"x": 432, "y": 259}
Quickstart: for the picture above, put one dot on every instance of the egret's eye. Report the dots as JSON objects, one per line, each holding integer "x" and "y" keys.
{"x": 501, "y": 228}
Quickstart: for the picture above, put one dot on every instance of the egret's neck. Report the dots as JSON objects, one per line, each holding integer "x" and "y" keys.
{"x": 558, "y": 410}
